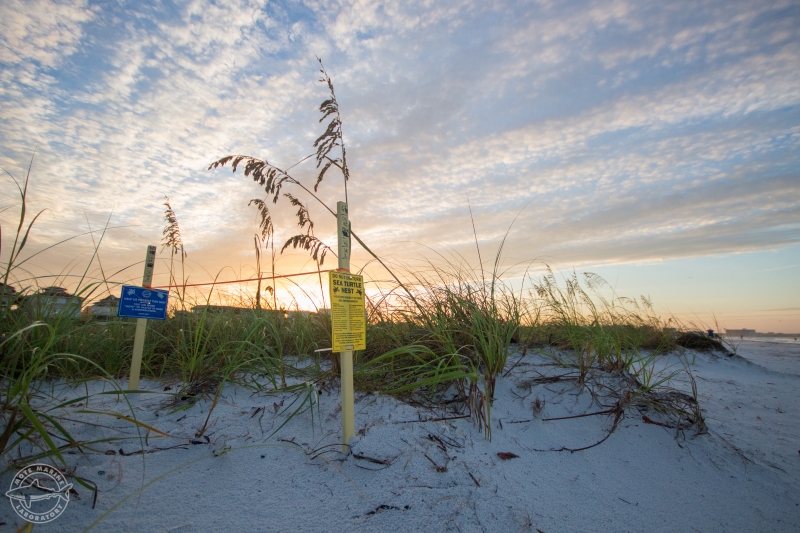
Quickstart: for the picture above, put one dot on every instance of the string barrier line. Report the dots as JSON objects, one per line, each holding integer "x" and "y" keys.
{"x": 240, "y": 280}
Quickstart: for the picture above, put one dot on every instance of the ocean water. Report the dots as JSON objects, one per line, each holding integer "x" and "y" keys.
{"x": 774, "y": 353}
{"x": 779, "y": 340}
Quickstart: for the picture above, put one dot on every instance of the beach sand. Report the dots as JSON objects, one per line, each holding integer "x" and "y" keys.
{"x": 444, "y": 475}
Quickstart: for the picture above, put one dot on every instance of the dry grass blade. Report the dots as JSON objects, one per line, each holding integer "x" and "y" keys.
{"x": 172, "y": 231}
{"x": 440, "y": 469}
{"x": 332, "y": 137}
{"x": 129, "y": 419}
{"x": 316, "y": 248}
{"x": 262, "y": 171}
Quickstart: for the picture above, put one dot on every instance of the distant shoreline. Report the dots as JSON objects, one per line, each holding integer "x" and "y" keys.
{"x": 768, "y": 339}
{"x": 761, "y": 335}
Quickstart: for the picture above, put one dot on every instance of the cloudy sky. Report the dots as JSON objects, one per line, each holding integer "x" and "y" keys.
{"x": 655, "y": 143}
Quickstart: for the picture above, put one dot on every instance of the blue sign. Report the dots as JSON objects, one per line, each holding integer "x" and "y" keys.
{"x": 140, "y": 302}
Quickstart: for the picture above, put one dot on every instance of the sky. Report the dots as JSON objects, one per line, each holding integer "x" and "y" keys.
{"x": 653, "y": 143}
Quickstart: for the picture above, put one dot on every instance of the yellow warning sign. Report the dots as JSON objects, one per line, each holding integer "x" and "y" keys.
{"x": 347, "y": 311}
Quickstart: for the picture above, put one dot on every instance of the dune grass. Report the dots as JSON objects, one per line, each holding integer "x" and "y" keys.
{"x": 445, "y": 343}
{"x": 440, "y": 334}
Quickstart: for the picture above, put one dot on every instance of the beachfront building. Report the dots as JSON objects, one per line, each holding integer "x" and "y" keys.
{"x": 8, "y": 295}
{"x": 8, "y": 298}
{"x": 740, "y": 332}
{"x": 200, "y": 309}
{"x": 51, "y": 302}
{"x": 104, "y": 309}
{"x": 292, "y": 315}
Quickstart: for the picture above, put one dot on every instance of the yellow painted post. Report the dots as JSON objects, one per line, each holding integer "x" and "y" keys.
{"x": 345, "y": 358}
{"x": 141, "y": 323}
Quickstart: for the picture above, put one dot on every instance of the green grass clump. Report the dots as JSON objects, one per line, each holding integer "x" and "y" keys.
{"x": 38, "y": 343}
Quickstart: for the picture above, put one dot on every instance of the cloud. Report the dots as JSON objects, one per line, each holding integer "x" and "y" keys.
{"x": 631, "y": 131}
{"x": 41, "y": 31}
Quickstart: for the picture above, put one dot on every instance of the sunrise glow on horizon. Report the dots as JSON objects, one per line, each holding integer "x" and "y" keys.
{"x": 655, "y": 144}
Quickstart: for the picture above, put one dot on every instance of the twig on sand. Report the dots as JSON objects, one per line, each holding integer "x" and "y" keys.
{"x": 152, "y": 450}
{"x": 620, "y": 413}
{"x": 606, "y": 412}
{"x": 316, "y": 455}
{"x": 647, "y": 420}
{"x": 441, "y": 444}
{"x": 440, "y": 419}
{"x": 524, "y": 352}
{"x": 383, "y": 507}
{"x": 505, "y": 456}
{"x": 87, "y": 482}
{"x": 438, "y": 468}
{"x": 213, "y": 405}
{"x": 569, "y": 376}
{"x": 372, "y": 459}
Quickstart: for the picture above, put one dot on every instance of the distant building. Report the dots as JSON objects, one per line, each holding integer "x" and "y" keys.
{"x": 285, "y": 313}
{"x": 8, "y": 298}
{"x": 754, "y": 333}
{"x": 104, "y": 309}
{"x": 8, "y": 295}
{"x": 740, "y": 332}
{"x": 51, "y": 302}
{"x": 197, "y": 309}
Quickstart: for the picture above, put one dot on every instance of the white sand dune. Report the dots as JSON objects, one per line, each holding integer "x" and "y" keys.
{"x": 743, "y": 475}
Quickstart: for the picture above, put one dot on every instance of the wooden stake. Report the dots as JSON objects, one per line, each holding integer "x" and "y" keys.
{"x": 141, "y": 323}
{"x": 345, "y": 358}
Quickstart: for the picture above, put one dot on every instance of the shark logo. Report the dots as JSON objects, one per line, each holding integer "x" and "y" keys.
{"x": 39, "y": 493}
{"x": 26, "y": 495}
